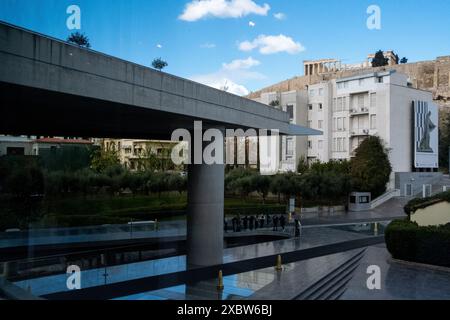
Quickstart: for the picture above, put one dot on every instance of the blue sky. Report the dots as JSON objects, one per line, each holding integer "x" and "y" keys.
{"x": 247, "y": 44}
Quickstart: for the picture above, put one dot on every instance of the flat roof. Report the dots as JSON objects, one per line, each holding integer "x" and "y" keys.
{"x": 367, "y": 75}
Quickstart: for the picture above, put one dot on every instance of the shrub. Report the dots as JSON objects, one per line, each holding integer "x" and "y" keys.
{"x": 405, "y": 240}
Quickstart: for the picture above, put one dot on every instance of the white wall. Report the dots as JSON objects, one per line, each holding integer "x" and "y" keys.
{"x": 434, "y": 215}
{"x": 401, "y": 125}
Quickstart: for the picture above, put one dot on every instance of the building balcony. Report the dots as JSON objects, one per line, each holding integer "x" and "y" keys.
{"x": 359, "y": 132}
{"x": 359, "y": 111}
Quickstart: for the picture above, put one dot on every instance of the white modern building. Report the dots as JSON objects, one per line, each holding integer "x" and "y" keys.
{"x": 347, "y": 110}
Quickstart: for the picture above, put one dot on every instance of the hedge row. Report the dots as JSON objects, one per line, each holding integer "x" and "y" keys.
{"x": 405, "y": 240}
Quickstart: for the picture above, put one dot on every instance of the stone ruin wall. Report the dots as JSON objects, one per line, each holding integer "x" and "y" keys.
{"x": 431, "y": 76}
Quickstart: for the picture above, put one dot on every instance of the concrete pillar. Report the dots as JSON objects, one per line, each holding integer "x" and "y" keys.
{"x": 205, "y": 213}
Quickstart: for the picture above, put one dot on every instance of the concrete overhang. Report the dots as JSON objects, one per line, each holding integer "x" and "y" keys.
{"x": 295, "y": 130}
{"x": 50, "y": 87}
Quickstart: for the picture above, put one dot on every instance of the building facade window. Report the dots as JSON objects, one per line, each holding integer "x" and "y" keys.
{"x": 373, "y": 121}
{"x": 290, "y": 111}
{"x": 373, "y": 100}
{"x": 341, "y": 124}
{"x": 340, "y": 105}
{"x": 360, "y": 101}
{"x": 321, "y": 92}
{"x": 320, "y": 124}
{"x": 289, "y": 147}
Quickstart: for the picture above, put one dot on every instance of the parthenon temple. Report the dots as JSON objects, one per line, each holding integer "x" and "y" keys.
{"x": 314, "y": 67}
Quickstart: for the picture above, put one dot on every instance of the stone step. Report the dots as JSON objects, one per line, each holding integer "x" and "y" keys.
{"x": 336, "y": 279}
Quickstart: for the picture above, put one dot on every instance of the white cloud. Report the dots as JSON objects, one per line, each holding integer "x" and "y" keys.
{"x": 198, "y": 9}
{"x": 241, "y": 64}
{"x": 272, "y": 44}
{"x": 280, "y": 16}
{"x": 208, "y": 45}
{"x": 251, "y": 24}
{"x": 230, "y": 75}
{"x": 159, "y": 46}
{"x": 228, "y": 86}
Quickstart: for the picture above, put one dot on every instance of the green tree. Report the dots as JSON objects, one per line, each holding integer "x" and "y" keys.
{"x": 261, "y": 185}
{"x": 177, "y": 183}
{"x": 404, "y": 60}
{"x": 236, "y": 174}
{"x": 379, "y": 60}
{"x": 276, "y": 186}
{"x": 79, "y": 39}
{"x": 158, "y": 183}
{"x": 149, "y": 160}
{"x": 159, "y": 64}
{"x": 370, "y": 169}
{"x": 25, "y": 181}
{"x": 104, "y": 158}
{"x": 282, "y": 184}
{"x": 302, "y": 166}
{"x": 243, "y": 186}
{"x": 274, "y": 103}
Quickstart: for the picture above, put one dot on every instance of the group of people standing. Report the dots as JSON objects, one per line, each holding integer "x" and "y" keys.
{"x": 239, "y": 224}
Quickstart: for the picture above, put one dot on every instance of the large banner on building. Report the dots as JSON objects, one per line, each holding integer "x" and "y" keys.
{"x": 426, "y": 135}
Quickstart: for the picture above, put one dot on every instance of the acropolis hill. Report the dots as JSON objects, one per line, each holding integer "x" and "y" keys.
{"x": 431, "y": 76}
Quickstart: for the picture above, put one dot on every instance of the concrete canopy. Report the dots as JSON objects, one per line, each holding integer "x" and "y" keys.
{"x": 49, "y": 87}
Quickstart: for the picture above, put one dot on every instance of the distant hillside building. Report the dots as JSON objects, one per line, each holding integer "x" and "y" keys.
{"x": 32, "y": 145}
{"x": 132, "y": 153}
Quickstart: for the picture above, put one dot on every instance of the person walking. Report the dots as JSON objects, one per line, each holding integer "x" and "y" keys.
{"x": 234, "y": 222}
{"x": 245, "y": 222}
{"x": 275, "y": 223}
{"x": 268, "y": 220}
{"x": 297, "y": 228}
{"x": 282, "y": 222}
{"x": 252, "y": 222}
{"x": 261, "y": 221}
{"x": 225, "y": 225}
